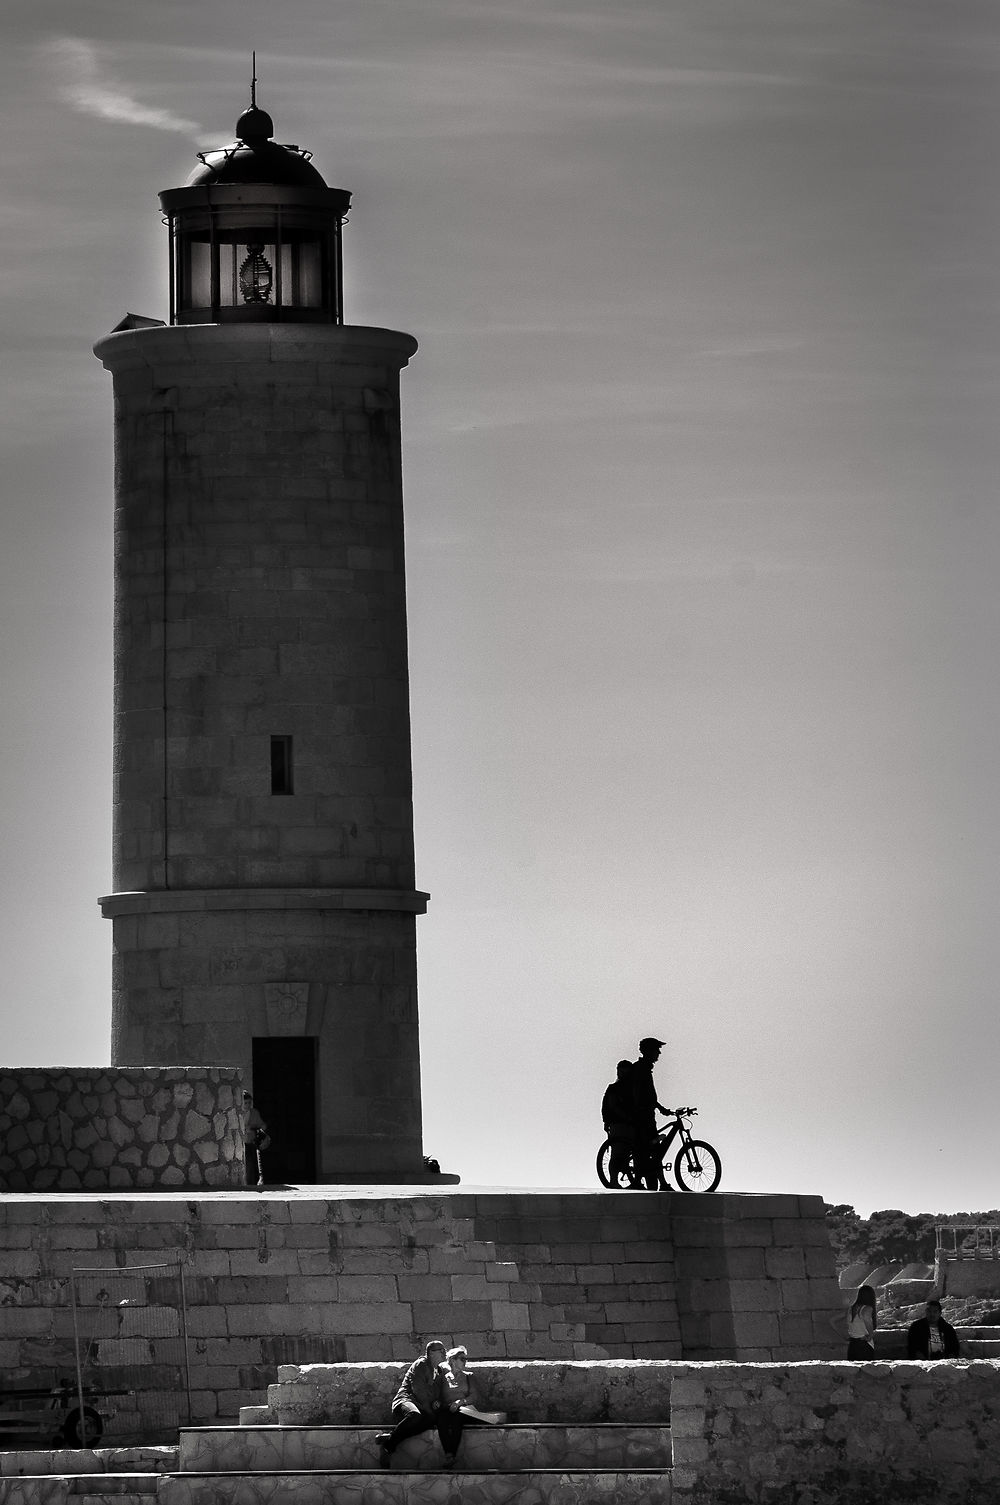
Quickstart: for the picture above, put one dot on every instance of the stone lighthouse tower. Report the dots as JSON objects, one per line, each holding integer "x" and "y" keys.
{"x": 264, "y": 905}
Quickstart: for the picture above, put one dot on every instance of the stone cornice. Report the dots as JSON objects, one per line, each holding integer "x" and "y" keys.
{"x": 187, "y": 900}
{"x": 209, "y": 344}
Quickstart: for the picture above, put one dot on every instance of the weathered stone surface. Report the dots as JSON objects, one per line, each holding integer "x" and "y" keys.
{"x": 260, "y": 592}
{"x": 599, "y": 1391}
{"x": 506, "y": 1447}
{"x": 844, "y": 1433}
{"x": 281, "y": 1279}
{"x": 120, "y": 1135}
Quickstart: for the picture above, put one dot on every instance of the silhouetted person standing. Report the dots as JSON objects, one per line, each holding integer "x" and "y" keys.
{"x": 644, "y": 1106}
{"x": 618, "y": 1114}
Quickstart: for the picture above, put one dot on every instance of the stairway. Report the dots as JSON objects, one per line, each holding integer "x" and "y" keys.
{"x": 622, "y": 1463}
{"x": 619, "y": 1463}
{"x": 67, "y": 1488}
{"x": 975, "y": 1342}
{"x": 979, "y": 1342}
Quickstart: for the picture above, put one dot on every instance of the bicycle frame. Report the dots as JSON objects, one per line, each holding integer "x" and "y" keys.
{"x": 677, "y": 1128}
{"x": 666, "y": 1133}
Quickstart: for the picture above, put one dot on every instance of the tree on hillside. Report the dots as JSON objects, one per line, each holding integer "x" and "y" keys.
{"x": 892, "y": 1235}
{"x": 885, "y": 1237}
{"x": 843, "y": 1225}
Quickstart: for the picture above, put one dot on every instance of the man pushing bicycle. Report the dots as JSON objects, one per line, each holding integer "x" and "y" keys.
{"x": 644, "y": 1106}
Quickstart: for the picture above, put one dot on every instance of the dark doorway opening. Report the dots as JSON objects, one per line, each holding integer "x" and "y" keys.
{"x": 284, "y": 1090}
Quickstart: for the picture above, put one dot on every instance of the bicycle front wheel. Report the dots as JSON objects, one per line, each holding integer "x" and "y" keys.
{"x": 697, "y": 1167}
{"x": 626, "y": 1177}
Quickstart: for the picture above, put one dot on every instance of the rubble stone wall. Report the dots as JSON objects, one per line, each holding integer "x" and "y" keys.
{"x": 853, "y": 1433}
{"x": 113, "y": 1128}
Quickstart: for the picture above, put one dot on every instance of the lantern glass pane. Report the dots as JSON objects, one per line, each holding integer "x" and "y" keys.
{"x": 196, "y": 285}
{"x": 310, "y": 274}
{"x": 246, "y": 274}
{"x": 301, "y": 274}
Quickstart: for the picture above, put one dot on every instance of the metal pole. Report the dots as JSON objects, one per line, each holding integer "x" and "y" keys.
{"x": 184, "y": 1330}
{"x": 340, "y": 273}
{"x": 172, "y": 242}
{"x": 76, "y": 1350}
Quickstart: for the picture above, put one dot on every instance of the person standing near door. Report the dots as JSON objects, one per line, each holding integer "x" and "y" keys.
{"x": 255, "y": 1135}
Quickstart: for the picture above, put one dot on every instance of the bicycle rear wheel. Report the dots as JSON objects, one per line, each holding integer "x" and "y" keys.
{"x": 82, "y": 1431}
{"x": 626, "y": 1178}
{"x": 697, "y": 1166}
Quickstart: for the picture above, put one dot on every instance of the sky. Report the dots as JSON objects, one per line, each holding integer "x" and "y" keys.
{"x": 700, "y": 448}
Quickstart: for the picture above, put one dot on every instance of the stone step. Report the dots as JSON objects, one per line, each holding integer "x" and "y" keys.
{"x": 34, "y": 1489}
{"x": 980, "y": 1348}
{"x": 67, "y": 1461}
{"x": 78, "y": 1489}
{"x": 115, "y": 1486}
{"x": 110, "y": 1497}
{"x": 257, "y": 1416}
{"x": 610, "y": 1445}
{"x": 389, "y": 1487}
{"x": 890, "y": 1342}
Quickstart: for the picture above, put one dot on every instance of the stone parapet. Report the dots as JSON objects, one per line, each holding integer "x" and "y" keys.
{"x": 850, "y": 1433}
{"x": 360, "y": 1277}
{"x": 585, "y": 1392}
{"x": 71, "y": 1128}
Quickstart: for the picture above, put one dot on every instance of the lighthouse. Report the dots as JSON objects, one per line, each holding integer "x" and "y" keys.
{"x": 264, "y": 897}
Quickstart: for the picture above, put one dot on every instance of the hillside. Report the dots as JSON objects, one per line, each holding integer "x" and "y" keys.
{"x": 888, "y": 1242}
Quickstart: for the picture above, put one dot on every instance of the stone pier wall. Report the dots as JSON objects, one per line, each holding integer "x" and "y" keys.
{"x": 71, "y": 1128}
{"x": 275, "y": 1279}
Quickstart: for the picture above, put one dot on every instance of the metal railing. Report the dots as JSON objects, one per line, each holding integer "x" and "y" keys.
{"x": 130, "y": 1336}
{"x": 968, "y": 1241}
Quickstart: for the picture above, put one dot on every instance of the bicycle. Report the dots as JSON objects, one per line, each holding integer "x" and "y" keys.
{"x": 696, "y": 1165}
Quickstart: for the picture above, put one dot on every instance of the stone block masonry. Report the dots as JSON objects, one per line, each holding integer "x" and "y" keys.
{"x": 71, "y": 1128}
{"x": 259, "y": 589}
{"x": 263, "y": 823}
{"x": 275, "y": 1279}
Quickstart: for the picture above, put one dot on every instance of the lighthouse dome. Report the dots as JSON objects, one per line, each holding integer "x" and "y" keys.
{"x": 255, "y": 234}
{"x": 255, "y": 158}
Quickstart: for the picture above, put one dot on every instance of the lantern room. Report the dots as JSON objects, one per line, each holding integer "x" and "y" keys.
{"x": 255, "y": 235}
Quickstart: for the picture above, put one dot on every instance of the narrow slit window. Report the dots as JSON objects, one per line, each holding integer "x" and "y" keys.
{"x": 281, "y": 765}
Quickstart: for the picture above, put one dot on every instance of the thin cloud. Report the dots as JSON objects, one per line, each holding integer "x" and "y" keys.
{"x": 80, "y": 83}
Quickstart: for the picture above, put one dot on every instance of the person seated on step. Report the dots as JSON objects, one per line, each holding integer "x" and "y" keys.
{"x": 464, "y": 1394}
{"x": 421, "y": 1402}
{"x": 931, "y": 1337}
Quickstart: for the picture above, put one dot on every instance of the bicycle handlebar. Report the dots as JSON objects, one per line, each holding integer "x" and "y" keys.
{"x": 681, "y": 1112}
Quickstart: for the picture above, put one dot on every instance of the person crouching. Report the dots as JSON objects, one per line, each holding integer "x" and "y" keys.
{"x": 422, "y": 1402}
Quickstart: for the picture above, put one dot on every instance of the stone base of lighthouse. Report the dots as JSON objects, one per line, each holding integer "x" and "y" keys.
{"x": 231, "y": 978}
